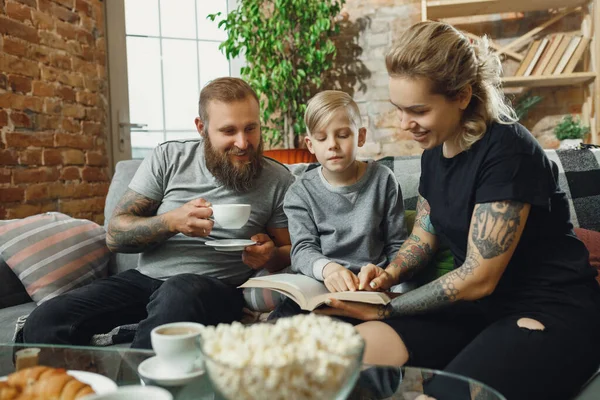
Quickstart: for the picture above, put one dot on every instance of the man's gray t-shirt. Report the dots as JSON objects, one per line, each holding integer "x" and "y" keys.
{"x": 176, "y": 173}
{"x": 350, "y": 225}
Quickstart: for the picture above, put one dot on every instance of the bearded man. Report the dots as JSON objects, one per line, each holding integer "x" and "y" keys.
{"x": 165, "y": 215}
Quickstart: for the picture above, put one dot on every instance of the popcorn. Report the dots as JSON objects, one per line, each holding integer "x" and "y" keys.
{"x": 302, "y": 357}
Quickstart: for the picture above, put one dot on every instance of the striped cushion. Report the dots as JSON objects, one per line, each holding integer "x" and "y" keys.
{"x": 52, "y": 253}
{"x": 264, "y": 300}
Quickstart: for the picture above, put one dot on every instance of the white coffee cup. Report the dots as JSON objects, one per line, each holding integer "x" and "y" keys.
{"x": 231, "y": 216}
{"x": 177, "y": 348}
{"x": 134, "y": 392}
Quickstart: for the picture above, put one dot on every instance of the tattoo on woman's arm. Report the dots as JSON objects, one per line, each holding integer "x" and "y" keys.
{"x": 495, "y": 226}
{"x": 433, "y": 296}
{"x": 423, "y": 216}
{"x": 412, "y": 256}
{"x": 493, "y": 233}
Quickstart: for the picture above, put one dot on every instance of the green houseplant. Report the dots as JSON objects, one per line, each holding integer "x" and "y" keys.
{"x": 570, "y": 132}
{"x": 568, "y": 128}
{"x": 288, "y": 47}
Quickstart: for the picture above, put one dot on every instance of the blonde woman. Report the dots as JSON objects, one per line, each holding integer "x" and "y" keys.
{"x": 521, "y": 310}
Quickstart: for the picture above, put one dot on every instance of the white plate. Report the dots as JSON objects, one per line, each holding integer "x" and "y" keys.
{"x": 134, "y": 392}
{"x": 149, "y": 369}
{"x": 99, "y": 383}
{"x": 230, "y": 244}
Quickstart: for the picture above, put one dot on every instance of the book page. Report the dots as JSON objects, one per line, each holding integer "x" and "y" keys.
{"x": 296, "y": 286}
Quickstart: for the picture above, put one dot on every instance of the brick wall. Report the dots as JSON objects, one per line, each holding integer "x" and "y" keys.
{"x": 53, "y": 108}
{"x": 382, "y": 21}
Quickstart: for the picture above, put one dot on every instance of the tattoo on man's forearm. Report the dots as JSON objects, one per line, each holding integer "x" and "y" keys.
{"x": 136, "y": 204}
{"x": 141, "y": 235}
{"x": 495, "y": 226}
{"x": 423, "y": 215}
{"x": 128, "y": 233}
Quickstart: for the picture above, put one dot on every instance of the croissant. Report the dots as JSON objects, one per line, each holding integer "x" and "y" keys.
{"x": 58, "y": 387}
{"x": 8, "y": 392}
{"x": 28, "y": 376}
{"x": 37, "y": 383}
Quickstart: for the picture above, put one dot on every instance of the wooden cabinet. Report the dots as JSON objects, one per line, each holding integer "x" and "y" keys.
{"x": 588, "y": 79}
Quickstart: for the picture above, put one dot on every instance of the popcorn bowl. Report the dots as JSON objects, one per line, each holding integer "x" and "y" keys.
{"x": 311, "y": 369}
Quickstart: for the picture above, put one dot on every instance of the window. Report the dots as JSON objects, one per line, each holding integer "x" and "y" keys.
{"x": 170, "y": 50}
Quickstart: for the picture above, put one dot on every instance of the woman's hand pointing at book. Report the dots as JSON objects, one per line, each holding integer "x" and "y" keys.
{"x": 374, "y": 278}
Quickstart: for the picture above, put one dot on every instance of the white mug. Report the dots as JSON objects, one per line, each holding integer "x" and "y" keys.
{"x": 231, "y": 216}
{"x": 134, "y": 392}
{"x": 176, "y": 347}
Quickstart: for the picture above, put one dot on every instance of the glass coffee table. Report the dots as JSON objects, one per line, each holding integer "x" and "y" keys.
{"x": 374, "y": 382}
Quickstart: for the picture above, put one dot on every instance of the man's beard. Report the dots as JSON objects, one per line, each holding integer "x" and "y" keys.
{"x": 238, "y": 177}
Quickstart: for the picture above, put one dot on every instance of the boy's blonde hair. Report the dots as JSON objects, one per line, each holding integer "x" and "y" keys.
{"x": 444, "y": 56}
{"x": 323, "y": 105}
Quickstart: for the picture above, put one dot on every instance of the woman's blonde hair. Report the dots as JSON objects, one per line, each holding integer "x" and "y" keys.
{"x": 323, "y": 105}
{"x": 444, "y": 56}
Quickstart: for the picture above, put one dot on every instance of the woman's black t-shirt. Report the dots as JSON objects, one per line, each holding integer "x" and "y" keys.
{"x": 507, "y": 163}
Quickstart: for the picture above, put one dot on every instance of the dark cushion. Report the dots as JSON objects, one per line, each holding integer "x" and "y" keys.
{"x": 12, "y": 291}
{"x": 579, "y": 177}
{"x": 591, "y": 239}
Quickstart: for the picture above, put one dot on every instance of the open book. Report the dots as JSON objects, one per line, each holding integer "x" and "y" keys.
{"x": 310, "y": 293}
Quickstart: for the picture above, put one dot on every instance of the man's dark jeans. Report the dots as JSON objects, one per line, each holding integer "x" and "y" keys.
{"x": 131, "y": 297}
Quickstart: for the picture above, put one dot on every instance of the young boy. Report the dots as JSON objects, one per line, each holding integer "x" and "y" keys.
{"x": 344, "y": 214}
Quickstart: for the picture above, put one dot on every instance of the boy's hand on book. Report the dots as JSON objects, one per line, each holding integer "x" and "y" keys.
{"x": 256, "y": 256}
{"x": 339, "y": 278}
{"x": 373, "y": 278}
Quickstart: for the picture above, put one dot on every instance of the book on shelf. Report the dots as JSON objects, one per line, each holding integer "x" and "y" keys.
{"x": 564, "y": 60}
{"x": 528, "y": 57}
{"x": 577, "y": 55}
{"x": 309, "y": 293}
{"x": 547, "y": 55}
{"x": 536, "y": 57}
{"x": 560, "y": 50}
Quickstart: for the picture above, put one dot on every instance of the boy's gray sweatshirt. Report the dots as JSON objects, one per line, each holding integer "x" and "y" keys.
{"x": 350, "y": 225}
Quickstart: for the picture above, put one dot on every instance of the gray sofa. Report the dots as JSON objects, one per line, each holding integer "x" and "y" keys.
{"x": 579, "y": 178}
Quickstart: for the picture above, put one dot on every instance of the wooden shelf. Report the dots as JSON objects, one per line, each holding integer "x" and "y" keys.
{"x": 575, "y": 78}
{"x": 557, "y": 9}
{"x": 461, "y": 8}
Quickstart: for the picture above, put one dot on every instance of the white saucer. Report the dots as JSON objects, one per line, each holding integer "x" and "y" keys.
{"x": 99, "y": 383}
{"x": 230, "y": 244}
{"x": 149, "y": 368}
